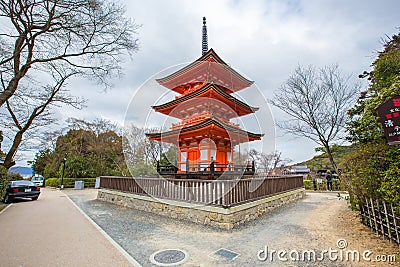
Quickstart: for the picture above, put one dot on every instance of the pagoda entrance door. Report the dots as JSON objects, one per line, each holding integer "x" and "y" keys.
{"x": 221, "y": 158}
{"x": 193, "y": 155}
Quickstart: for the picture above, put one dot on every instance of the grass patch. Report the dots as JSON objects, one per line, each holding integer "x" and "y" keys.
{"x": 3, "y": 206}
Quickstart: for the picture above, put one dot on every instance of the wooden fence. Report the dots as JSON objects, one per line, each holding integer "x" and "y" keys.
{"x": 224, "y": 193}
{"x": 382, "y": 217}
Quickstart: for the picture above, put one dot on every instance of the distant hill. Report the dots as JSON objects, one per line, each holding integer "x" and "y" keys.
{"x": 321, "y": 161}
{"x": 25, "y": 172}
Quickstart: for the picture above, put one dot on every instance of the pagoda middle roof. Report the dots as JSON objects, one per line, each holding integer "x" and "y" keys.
{"x": 208, "y": 68}
{"x": 235, "y": 104}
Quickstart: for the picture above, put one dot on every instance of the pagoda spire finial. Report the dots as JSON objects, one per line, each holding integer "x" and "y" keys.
{"x": 204, "y": 42}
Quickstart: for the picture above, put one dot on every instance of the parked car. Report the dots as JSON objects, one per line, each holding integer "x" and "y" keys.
{"x": 38, "y": 180}
{"x": 21, "y": 189}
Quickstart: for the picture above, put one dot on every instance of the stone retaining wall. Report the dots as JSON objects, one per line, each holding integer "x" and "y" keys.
{"x": 225, "y": 218}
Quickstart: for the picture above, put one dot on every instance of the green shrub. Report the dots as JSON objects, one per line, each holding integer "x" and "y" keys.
{"x": 336, "y": 185}
{"x": 308, "y": 184}
{"x": 15, "y": 176}
{"x": 70, "y": 182}
{"x": 372, "y": 170}
{"x": 52, "y": 182}
{"x": 3, "y": 181}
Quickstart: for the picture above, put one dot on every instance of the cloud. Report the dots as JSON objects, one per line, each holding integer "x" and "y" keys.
{"x": 265, "y": 40}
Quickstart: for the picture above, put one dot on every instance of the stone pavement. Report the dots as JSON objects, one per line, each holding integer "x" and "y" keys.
{"x": 53, "y": 232}
{"x": 142, "y": 234}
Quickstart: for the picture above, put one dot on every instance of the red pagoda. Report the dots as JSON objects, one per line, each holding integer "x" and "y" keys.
{"x": 205, "y": 104}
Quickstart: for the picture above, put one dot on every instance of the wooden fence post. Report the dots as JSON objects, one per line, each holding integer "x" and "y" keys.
{"x": 395, "y": 224}
{"x": 369, "y": 214}
{"x": 380, "y": 218}
{"x": 373, "y": 213}
{"x": 387, "y": 221}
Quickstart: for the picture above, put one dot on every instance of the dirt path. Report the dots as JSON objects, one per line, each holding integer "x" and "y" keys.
{"x": 338, "y": 222}
{"x": 315, "y": 224}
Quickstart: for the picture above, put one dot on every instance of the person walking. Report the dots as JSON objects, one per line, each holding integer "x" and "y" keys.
{"x": 329, "y": 180}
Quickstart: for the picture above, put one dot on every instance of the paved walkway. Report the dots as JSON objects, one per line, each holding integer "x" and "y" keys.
{"x": 52, "y": 232}
{"x": 314, "y": 223}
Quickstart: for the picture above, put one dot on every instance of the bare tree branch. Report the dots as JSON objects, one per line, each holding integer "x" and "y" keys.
{"x": 49, "y": 42}
{"x": 317, "y": 102}
{"x": 89, "y": 36}
{"x": 30, "y": 109}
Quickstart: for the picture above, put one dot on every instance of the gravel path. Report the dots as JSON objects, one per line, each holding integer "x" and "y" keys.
{"x": 313, "y": 223}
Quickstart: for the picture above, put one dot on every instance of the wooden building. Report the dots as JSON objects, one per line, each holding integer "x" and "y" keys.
{"x": 205, "y": 106}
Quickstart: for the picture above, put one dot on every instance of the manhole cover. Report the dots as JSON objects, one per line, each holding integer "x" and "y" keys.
{"x": 169, "y": 257}
{"x": 224, "y": 253}
{"x": 101, "y": 215}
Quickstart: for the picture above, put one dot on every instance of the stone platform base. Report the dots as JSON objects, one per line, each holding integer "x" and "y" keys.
{"x": 224, "y": 218}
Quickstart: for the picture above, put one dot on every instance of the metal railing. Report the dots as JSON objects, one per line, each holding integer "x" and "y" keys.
{"x": 223, "y": 193}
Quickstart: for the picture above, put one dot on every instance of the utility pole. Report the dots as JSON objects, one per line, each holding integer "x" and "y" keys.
{"x": 62, "y": 176}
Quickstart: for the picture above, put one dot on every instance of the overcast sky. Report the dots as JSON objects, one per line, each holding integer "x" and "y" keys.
{"x": 265, "y": 40}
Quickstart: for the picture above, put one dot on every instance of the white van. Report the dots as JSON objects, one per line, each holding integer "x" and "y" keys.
{"x": 38, "y": 180}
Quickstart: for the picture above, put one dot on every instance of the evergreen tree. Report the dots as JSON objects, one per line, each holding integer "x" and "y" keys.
{"x": 372, "y": 169}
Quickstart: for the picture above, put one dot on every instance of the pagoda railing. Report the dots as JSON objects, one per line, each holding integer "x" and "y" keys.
{"x": 223, "y": 193}
{"x": 194, "y": 120}
{"x": 218, "y": 167}
{"x": 206, "y": 168}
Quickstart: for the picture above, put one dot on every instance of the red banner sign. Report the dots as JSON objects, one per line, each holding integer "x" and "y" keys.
{"x": 389, "y": 115}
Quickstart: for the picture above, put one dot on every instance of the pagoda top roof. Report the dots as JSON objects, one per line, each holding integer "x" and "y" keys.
{"x": 202, "y": 126}
{"x": 201, "y": 70}
{"x": 237, "y": 105}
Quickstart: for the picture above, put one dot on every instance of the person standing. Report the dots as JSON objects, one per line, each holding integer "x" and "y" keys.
{"x": 212, "y": 168}
{"x": 329, "y": 179}
{"x": 212, "y": 165}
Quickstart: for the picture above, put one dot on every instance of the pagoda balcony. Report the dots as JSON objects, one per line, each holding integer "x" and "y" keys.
{"x": 205, "y": 170}
{"x": 188, "y": 88}
{"x": 197, "y": 119}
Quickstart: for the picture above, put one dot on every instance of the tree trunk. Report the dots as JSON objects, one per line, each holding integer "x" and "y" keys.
{"x": 18, "y": 73}
{"x": 330, "y": 157}
{"x": 9, "y": 92}
{"x": 9, "y": 160}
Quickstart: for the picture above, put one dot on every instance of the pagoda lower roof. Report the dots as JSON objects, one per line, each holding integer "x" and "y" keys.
{"x": 211, "y": 91}
{"x": 208, "y": 68}
{"x": 206, "y": 129}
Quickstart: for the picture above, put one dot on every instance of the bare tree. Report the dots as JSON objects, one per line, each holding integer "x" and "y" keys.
{"x": 265, "y": 161}
{"x": 98, "y": 125}
{"x": 47, "y": 43}
{"x": 269, "y": 161}
{"x": 133, "y": 144}
{"x": 86, "y": 36}
{"x": 30, "y": 109}
{"x": 276, "y": 159}
{"x": 48, "y": 139}
{"x": 154, "y": 149}
{"x": 139, "y": 150}
{"x": 317, "y": 102}
{"x": 254, "y": 155}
